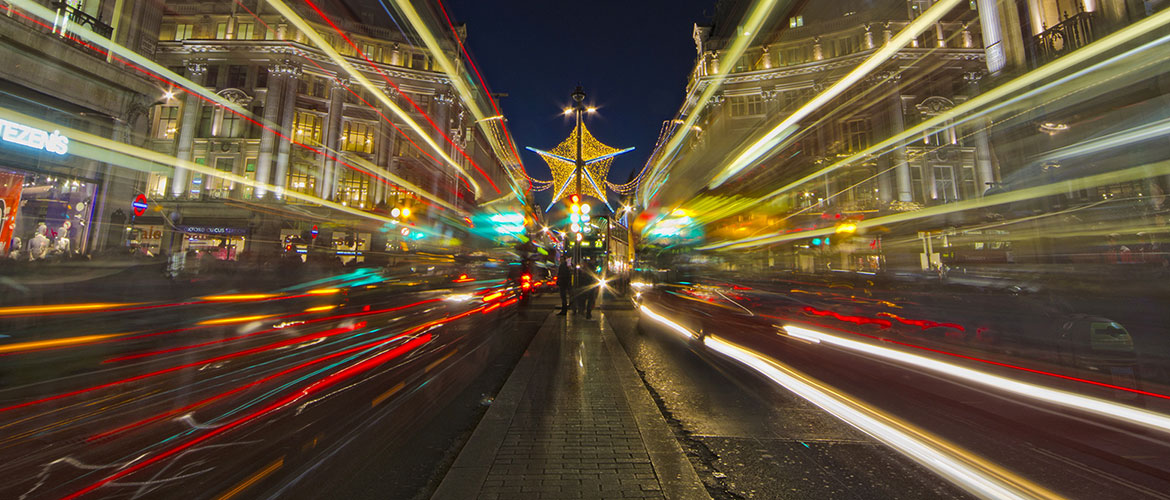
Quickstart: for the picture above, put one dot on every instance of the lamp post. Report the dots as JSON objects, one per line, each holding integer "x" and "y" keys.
{"x": 579, "y": 109}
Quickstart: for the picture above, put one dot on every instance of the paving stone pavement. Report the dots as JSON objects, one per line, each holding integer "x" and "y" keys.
{"x": 576, "y": 429}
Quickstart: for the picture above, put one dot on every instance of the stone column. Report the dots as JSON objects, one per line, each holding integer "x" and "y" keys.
{"x": 292, "y": 71}
{"x": 185, "y": 143}
{"x": 984, "y": 169}
{"x": 277, "y": 79}
{"x": 328, "y": 177}
{"x": 901, "y": 168}
{"x": 383, "y": 156}
{"x": 443, "y": 102}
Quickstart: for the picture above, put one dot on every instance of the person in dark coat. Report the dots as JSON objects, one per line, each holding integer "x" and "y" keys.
{"x": 565, "y": 284}
{"x": 586, "y": 294}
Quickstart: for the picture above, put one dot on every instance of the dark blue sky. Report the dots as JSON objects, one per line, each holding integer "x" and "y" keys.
{"x": 632, "y": 57}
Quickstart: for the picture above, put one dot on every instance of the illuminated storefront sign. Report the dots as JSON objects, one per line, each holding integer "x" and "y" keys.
{"x": 34, "y": 138}
{"x": 219, "y": 231}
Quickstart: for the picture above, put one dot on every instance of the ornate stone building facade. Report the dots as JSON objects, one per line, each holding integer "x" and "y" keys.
{"x": 810, "y": 52}
{"x": 323, "y": 124}
{"x": 54, "y": 199}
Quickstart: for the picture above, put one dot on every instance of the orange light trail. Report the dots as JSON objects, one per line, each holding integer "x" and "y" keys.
{"x": 47, "y": 344}
{"x": 238, "y": 319}
{"x": 61, "y": 308}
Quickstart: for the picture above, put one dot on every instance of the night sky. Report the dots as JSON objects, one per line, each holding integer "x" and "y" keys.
{"x": 631, "y": 56}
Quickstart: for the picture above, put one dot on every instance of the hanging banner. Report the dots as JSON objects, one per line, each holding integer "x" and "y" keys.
{"x": 10, "y": 187}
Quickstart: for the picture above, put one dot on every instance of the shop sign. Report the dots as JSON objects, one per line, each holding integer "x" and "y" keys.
{"x": 219, "y": 231}
{"x": 34, "y": 137}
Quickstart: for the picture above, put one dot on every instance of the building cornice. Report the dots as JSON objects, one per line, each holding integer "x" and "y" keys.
{"x": 282, "y": 48}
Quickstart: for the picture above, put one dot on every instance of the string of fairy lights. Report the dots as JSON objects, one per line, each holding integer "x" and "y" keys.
{"x": 562, "y": 164}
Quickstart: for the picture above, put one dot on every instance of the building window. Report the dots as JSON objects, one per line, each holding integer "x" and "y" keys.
{"x": 244, "y": 31}
{"x": 184, "y": 32}
{"x": 217, "y": 186}
{"x": 307, "y": 128}
{"x": 211, "y": 80}
{"x": 944, "y": 183}
{"x": 262, "y": 77}
{"x": 357, "y": 137}
{"x": 237, "y": 77}
{"x": 916, "y": 183}
{"x": 156, "y": 185}
{"x": 166, "y": 122}
{"x": 856, "y": 133}
{"x": 354, "y": 187}
{"x": 255, "y": 128}
{"x": 206, "y": 118}
{"x": 796, "y": 21}
{"x": 300, "y": 181}
{"x": 418, "y": 61}
{"x": 402, "y": 147}
{"x": 232, "y": 125}
{"x": 371, "y": 51}
{"x": 221, "y": 31}
{"x": 968, "y": 187}
{"x": 747, "y": 105}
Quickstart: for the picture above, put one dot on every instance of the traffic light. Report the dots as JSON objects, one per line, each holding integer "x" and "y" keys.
{"x": 575, "y": 198}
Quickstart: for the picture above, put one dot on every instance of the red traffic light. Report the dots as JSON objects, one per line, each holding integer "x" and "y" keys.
{"x": 575, "y": 198}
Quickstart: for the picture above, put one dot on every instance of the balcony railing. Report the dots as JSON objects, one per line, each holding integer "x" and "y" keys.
{"x": 1074, "y": 32}
{"x": 82, "y": 19}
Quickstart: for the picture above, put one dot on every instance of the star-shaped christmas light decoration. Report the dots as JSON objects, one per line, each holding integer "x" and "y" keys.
{"x": 596, "y": 156}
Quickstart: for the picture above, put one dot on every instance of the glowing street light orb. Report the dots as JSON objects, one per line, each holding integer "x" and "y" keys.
{"x": 591, "y": 109}
{"x": 575, "y": 208}
{"x": 568, "y": 111}
{"x": 575, "y": 218}
{"x": 395, "y": 212}
{"x": 585, "y": 208}
{"x": 406, "y": 212}
{"x": 579, "y": 237}
{"x": 576, "y": 228}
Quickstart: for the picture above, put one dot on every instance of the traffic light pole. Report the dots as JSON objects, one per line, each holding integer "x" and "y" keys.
{"x": 579, "y": 109}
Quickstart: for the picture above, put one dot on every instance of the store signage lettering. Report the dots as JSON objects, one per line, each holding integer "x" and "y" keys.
{"x": 34, "y": 137}
{"x": 223, "y": 231}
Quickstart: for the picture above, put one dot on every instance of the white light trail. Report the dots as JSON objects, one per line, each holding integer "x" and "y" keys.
{"x": 964, "y": 469}
{"x": 672, "y": 325}
{"x": 1107, "y": 409}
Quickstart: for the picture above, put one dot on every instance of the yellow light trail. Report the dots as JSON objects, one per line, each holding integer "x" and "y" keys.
{"x": 163, "y": 159}
{"x": 62, "y": 308}
{"x": 238, "y": 319}
{"x": 1088, "y": 182}
{"x": 253, "y": 479}
{"x": 324, "y": 291}
{"x": 995, "y": 96}
{"x": 46, "y": 344}
{"x": 341, "y": 61}
{"x": 122, "y": 52}
{"x": 458, "y": 79}
{"x": 757, "y": 14}
{"x": 240, "y": 296}
{"x": 320, "y": 308}
{"x": 790, "y": 124}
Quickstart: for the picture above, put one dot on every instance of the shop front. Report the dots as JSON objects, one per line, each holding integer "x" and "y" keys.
{"x": 222, "y": 243}
{"x": 43, "y": 215}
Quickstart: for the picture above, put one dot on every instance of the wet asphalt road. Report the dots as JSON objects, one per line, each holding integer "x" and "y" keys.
{"x": 748, "y": 439}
